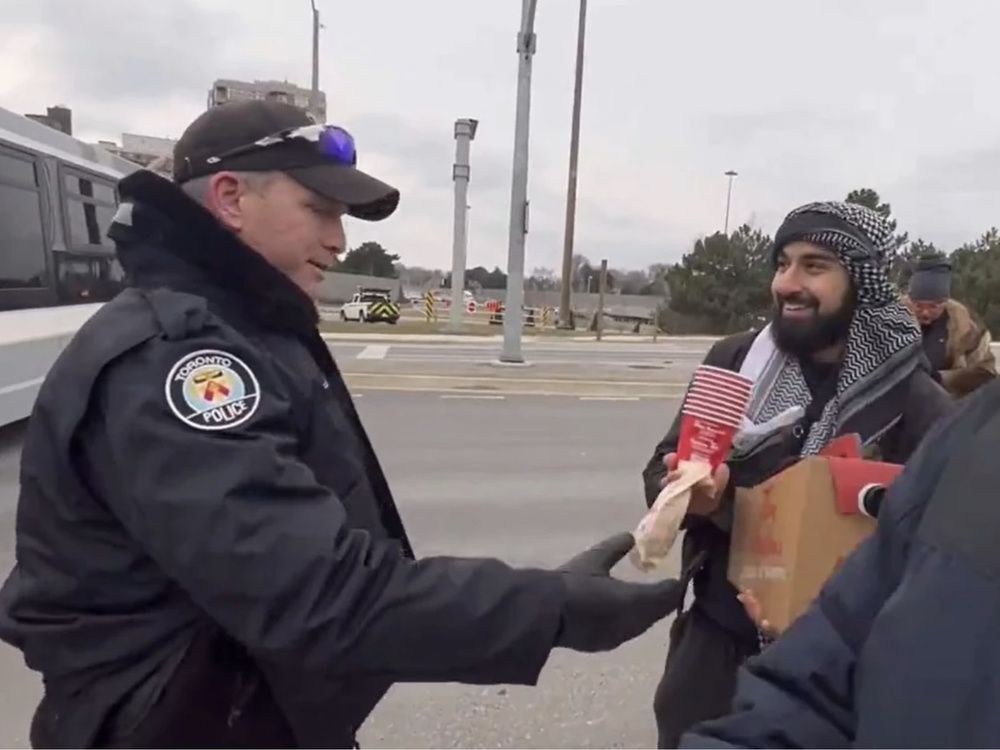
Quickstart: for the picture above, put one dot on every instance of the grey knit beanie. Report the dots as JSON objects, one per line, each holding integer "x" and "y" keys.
{"x": 931, "y": 281}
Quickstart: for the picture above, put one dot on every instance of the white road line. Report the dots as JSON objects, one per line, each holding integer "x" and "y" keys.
{"x": 413, "y": 377}
{"x": 512, "y": 394}
{"x": 374, "y": 351}
{"x": 469, "y": 397}
{"x": 609, "y": 398}
{"x": 477, "y": 360}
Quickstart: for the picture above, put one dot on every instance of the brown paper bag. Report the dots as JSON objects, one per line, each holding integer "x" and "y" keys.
{"x": 656, "y": 533}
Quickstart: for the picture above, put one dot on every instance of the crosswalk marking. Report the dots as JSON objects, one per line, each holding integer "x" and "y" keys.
{"x": 471, "y": 397}
{"x": 374, "y": 351}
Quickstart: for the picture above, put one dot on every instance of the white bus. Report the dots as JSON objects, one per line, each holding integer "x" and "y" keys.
{"x": 57, "y": 265}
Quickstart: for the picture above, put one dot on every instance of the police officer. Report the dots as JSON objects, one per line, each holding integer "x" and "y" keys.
{"x": 208, "y": 553}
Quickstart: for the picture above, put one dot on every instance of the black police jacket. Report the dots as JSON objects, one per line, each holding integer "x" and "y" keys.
{"x": 194, "y": 461}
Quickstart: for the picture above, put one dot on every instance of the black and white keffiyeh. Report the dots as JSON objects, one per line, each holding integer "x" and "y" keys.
{"x": 883, "y": 342}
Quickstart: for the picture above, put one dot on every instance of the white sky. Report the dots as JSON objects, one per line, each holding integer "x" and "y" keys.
{"x": 806, "y": 99}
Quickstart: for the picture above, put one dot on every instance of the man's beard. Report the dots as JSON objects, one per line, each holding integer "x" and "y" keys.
{"x": 803, "y": 338}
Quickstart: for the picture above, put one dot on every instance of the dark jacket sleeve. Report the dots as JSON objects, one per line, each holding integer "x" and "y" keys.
{"x": 727, "y": 353}
{"x": 798, "y": 692}
{"x": 927, "y": 404}
{"x": 240, "y": 524}
{"x": 655, "y": 471}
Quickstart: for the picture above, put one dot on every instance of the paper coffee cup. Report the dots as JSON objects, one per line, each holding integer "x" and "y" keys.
{"x": 723, "y": 401}
{"x": 720, "y": 376}
{"x": 713, "y": 412}
{"x": 717, "y": 374}
{"x": 705, "y": 439}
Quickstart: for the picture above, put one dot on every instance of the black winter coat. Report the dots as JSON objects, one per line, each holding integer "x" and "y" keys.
{"x": 194, "y": 463}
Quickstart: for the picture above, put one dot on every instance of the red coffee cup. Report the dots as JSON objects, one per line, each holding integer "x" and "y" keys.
{"x": 712, "y": 413}
{"x": 697, "y": 408}
{"x": 740, "y": 394}
{"x": 717, "y": 374}
{"x": 732, "y": 379}
{"x": 704, "y": 439}
{"x": 728, "y": 398}
{"x": 718, "y": 399}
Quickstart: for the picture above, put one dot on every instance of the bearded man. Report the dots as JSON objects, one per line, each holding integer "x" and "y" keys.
{"x": 842, "y": 355}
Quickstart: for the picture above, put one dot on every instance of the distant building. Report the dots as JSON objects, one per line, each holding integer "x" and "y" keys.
{"x": 148, "y": 151}
{"x": 226, "y": 90}
{"x": 58, "y": 118}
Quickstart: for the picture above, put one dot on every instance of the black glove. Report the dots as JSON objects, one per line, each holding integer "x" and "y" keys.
{"x": 602, "y": 612}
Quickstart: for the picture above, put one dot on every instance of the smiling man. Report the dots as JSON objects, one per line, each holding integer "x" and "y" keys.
{"x": 841, "y": 355}
{"x": 208, "y": 552}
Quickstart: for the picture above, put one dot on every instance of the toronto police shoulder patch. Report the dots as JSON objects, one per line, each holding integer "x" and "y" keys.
{"x": 212, "y": 390}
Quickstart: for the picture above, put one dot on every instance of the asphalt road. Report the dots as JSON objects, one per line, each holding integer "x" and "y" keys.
{"x": 667, "y": 362}
{"x": 669, "y": 351}
{"x": 530, "y": 479}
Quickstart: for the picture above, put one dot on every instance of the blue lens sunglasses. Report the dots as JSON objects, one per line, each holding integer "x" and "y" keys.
{"x": 332, "y": 142}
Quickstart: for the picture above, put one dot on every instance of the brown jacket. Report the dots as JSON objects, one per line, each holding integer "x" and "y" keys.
{"x": 970, "y": 360}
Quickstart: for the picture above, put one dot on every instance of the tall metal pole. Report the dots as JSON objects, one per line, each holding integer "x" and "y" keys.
{"x": 512, "y": 318}
{"x": 574, "y": 153}
{"x": 465, "y": 132}
{"x": 314, "y": 93}
{"x": 602, "y": 288}
{"x": 729, "y": 198}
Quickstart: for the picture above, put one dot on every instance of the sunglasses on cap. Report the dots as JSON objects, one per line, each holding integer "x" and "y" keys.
{"x": 331, "y": 142}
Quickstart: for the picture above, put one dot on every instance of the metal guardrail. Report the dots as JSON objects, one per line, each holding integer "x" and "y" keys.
{"x": 416, "y": 311}
{"x": 437, "y": 309}
{"x": 491, "y": 312}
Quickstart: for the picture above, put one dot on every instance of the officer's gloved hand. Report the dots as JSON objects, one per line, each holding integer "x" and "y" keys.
{"x": 602, "y": 612}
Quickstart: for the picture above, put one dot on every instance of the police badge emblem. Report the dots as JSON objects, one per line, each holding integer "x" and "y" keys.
{"x": 212, "y": 390}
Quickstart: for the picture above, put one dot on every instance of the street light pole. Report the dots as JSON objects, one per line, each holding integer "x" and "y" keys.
{"x": 512, "y": 318}
{"x": 574, "y": 152}
{"x": 314, "y": 92}
{"x": 465, "y": 133}
{"x": 729, "y": 198}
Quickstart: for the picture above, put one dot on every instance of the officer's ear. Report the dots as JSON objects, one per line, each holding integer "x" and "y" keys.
{"x": 225, "y": 199}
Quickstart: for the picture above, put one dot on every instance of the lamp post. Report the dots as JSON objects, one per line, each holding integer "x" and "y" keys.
{"x": 526, "y": 45}
{"x": 465, "y": 132}
{"x": 314, "y": 92}
{"x": 574, "y": 153}
{"x": 731, "y": 174}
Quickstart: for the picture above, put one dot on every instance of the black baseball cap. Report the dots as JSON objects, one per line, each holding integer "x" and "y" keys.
{"x": 224, "y": 138}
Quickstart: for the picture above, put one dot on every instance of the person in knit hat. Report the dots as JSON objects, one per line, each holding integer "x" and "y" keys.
{"x": 841, "y": 355}
{"x": 957, "y": 344}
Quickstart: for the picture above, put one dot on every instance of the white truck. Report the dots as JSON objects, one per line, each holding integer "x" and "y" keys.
{"x": 371, "y": 306}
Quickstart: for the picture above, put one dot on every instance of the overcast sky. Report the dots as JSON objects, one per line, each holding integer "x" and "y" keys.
{"x": 805, "y": 99}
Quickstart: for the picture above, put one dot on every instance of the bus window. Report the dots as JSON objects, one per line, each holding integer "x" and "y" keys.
{"x": 22, "y": 239}
{"x": 86, "y": 278}
{"x": 87, "y": 270}
{"x": 18, "y": 170}
{"x": 87, "y": 187}
{"x": 89, "y": 205}
{"x": 88, "y": 224}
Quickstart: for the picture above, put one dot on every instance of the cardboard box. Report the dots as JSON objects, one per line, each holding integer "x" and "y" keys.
{"x": 793, "y": 531}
